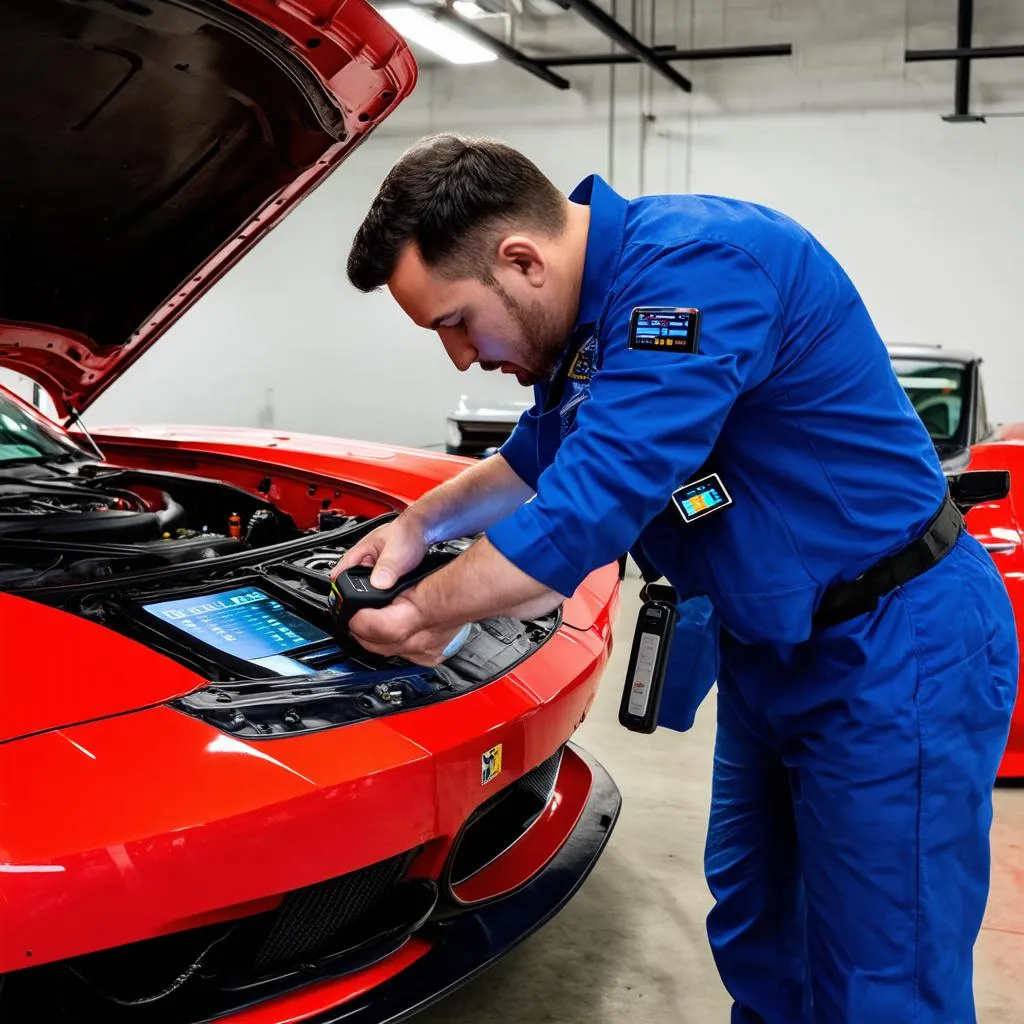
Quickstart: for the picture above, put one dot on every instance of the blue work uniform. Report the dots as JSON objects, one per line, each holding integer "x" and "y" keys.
{"x": 848, "y": 841}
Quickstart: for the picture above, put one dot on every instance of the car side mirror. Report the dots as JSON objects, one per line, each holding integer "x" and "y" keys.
{"x": 978, "y": 486}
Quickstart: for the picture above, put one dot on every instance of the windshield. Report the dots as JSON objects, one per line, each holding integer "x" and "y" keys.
{"x": 24, "y": 438}
{"x": 938, "y": 393}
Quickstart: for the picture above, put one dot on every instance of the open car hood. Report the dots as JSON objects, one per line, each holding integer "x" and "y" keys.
{"x": 148, "y": 144}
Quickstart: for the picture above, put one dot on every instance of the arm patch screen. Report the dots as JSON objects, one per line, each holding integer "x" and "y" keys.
{"x": 664, "y": 329}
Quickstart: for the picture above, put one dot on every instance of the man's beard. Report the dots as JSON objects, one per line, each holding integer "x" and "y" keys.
{"x": 543, "y": 336}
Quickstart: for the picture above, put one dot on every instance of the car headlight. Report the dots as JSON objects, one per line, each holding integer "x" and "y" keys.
{"x": 454, "y": 434}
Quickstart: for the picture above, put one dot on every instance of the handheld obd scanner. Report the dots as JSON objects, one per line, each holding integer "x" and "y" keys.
{"x": 352, "y": 591}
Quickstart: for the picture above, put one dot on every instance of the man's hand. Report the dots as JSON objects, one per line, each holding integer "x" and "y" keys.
{"x": 477, "y": 585}
{"x": 393, "y": 550}
{"x": 401, "y": 628}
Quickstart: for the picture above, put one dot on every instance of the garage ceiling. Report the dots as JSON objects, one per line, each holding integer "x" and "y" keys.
{"x": 685, "y": 42}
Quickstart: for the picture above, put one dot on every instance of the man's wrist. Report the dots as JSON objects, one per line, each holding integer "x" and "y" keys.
{"x": 419, "y": 521}
{"x": 426, "y": 608}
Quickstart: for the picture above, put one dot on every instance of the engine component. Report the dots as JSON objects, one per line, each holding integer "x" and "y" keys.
{"x": 262, "y": 529}
{"x": 321, "y": 562}
{"x": 332, "y": 519}
{"x": 191, "y": 549}
{"x": 100, "y": 522}
{"x": 57, "y": 509}
{"x": 493, "y": 644}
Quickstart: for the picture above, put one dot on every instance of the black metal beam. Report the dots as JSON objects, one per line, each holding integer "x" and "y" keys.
{"x": 964, "y": 30}
{"x": 606, "y": 24}
{"x": 670, "y": 53}
{"x": 968, "y": 53}
{"x": 502, "y": 49}
{"x": 963, "y": 53}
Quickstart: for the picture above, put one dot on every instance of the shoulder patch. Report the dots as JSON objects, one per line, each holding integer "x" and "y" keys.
{"x": 664, "y": 328}
{"x": 582, "y": 366}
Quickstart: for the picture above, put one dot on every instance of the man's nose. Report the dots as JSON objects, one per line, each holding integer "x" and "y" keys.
{"x": 460, "y": 352}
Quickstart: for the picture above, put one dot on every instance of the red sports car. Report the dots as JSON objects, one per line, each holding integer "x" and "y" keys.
{"x": 947, "y": 391}
{"x": 210, "y": 806}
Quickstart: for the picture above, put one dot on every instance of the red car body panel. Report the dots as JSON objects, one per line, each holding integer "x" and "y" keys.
{"x": 175, "y": 823}
{"x": 194, "y": 797}
{"x": 73, "y": 680}
{"x": 123, "y": 818}
{"x": 997, "y": 525}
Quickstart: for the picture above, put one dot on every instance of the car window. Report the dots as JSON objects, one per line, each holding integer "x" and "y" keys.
{"x": 936, "y": 390}
{"x": 22, "y": 437}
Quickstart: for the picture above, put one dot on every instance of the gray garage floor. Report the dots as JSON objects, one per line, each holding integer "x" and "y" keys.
{"x": 631, "y": 945}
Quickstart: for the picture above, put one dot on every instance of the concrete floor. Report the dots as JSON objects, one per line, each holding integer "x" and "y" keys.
{"x": 631, "y": 945}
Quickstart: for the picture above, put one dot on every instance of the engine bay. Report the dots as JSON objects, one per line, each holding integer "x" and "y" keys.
{"x": 226, "y": 584}
{"x": 59, "y": 525}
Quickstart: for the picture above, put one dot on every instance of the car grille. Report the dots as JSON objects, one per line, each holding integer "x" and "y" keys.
{"x": 309, "y": 917}
{"x": 503, "y": 819}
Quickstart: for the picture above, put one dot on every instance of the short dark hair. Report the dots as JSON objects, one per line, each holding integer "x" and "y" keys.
{"x": 454, "y": 197}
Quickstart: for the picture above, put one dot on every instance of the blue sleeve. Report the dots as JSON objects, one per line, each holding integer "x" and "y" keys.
{"x": 520, "y": 450}
{"x": 652, "y": 417}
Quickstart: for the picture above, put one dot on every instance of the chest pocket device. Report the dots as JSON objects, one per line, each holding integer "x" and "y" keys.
{"x": 701, "y": 498}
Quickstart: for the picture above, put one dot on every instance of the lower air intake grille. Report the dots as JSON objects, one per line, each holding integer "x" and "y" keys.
{"x": 307, "y": 918}
{"x": 215, "y": 971}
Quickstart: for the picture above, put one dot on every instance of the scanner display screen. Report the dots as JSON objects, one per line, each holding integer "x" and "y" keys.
{"x": 245, "y": 623}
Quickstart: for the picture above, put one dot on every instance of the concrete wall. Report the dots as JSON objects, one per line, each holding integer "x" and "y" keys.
{"x": 927, "y": 217}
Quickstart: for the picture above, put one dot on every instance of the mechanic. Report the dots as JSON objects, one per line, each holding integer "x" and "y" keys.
{"x": 867, "y": 662}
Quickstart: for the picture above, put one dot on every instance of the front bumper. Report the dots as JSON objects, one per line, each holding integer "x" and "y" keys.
{"x": 464, "y": 946}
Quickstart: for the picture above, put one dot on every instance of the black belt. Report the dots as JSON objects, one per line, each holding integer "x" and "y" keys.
{"x": 844, "y": 601}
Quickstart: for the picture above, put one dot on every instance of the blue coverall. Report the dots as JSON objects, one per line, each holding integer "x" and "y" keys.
{"x": 848, "y": 848}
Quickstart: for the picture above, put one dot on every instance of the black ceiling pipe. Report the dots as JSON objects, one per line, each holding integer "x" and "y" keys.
{"x": 502, "y": 49}
{"x": 969, "y": 53}
{"x": 670, "y": 53}
{"x": 607, "y": 25}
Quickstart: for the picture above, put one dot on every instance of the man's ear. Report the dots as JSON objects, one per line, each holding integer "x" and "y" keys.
{"x": 525, "y": 256}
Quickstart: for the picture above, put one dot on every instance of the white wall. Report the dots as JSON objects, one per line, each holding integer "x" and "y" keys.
{"x": 927, "y": 217}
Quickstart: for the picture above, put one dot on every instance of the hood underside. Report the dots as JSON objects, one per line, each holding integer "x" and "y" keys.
{"x": 148, "y": 144}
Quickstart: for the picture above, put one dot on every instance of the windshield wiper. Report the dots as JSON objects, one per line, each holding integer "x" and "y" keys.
{"x": 42, "y": 460}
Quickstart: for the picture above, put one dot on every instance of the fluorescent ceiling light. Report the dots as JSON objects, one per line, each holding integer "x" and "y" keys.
{"x": 445, "y": 41}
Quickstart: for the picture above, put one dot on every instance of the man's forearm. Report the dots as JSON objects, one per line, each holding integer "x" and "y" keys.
{"x": 478, "y": 585}
{"x": 471, "y": 501}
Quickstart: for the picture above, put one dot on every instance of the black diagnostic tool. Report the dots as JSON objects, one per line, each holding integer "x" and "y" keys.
{"x": 351, "y": 592}
{"x": 648, "y": 660}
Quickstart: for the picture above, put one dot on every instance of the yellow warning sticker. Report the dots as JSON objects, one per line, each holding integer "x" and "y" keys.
{"x": 490, "y": 765}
